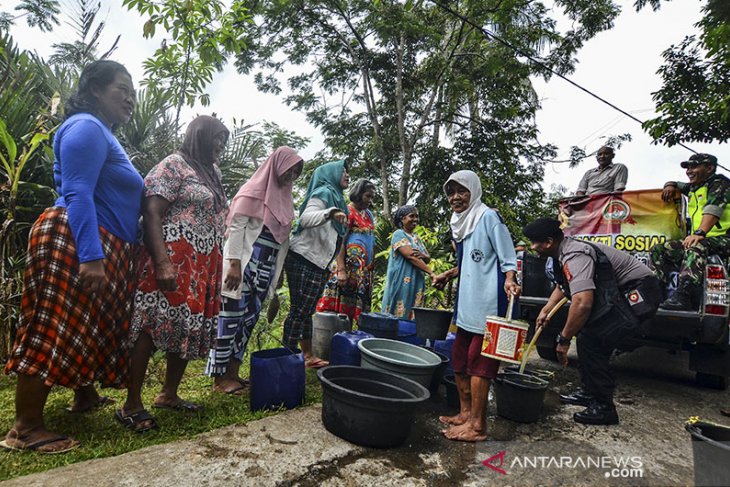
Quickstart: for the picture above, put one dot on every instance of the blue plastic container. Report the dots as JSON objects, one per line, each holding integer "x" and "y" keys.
{"x": 380, "y": 325}
{"x": 444, "y": 347}
{"x": 343, "y": 348}
{"x": 277, "y": 379}
{"x": 407, "y": 333}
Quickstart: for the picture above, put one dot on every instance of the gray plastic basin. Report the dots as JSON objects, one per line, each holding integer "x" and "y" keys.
{"x": 403, "y": 359}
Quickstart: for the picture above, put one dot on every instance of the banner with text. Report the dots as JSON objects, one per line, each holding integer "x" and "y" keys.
{"x": 633, "y": 221}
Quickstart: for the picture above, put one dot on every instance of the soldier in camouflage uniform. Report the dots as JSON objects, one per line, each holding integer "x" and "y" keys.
{"x": 709, "y": 211}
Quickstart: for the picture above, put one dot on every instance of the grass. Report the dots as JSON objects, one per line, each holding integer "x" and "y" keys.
{"x": 101, "y": 436}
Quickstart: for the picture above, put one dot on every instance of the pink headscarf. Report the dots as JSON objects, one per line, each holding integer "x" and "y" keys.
{"x": 264, "y": 198}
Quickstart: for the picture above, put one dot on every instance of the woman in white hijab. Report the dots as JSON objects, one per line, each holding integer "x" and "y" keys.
{"x": 487, "y": 267}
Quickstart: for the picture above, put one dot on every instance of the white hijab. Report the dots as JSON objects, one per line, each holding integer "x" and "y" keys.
{"x": 462, "y": 224}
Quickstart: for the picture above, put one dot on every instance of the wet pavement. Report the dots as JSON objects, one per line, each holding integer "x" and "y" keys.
{"x": 656, "y": 395}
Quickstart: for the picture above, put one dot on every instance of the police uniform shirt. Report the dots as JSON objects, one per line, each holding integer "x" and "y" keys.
{"x": 578, "y": 262}
{"x": 609, "y": 180}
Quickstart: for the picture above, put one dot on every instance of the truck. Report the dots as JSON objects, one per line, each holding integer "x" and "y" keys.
{"x": 635, "y": 221}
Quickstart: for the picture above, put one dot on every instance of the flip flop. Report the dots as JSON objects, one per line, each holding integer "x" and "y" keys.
{"x": 236, "y": 391}
{"x": 316, "y": 363}
{"x": 133, "y": 421}
{"x": 35, "y": 446}
{"x": 103, "y": 401}
{"x": 182, "y": 406}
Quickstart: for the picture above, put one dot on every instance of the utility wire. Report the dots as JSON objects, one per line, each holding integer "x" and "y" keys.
{"x": 491, "y": 35}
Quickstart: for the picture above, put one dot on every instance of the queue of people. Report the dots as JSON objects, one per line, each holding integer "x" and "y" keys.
{"x": 96, "y": 305}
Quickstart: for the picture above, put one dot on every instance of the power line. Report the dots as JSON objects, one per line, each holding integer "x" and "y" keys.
{"x": 491, "y": 35}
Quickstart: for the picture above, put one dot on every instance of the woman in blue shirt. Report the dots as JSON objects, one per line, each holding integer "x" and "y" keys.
{"x": 487, "y": 267}
{"x": 78, "y": 281}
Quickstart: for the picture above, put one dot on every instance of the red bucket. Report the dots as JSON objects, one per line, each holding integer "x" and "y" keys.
{"x": 504, "y": 339}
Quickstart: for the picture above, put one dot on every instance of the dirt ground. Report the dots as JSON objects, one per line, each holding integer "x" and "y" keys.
{"x": 656, "y": 395}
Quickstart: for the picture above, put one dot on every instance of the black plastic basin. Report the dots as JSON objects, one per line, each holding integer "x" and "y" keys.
{"x": 432, "y": 324}
{"x": 368, "y": 407}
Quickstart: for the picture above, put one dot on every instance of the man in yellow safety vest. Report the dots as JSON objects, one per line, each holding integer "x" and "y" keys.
{"x": 708, "y": 196}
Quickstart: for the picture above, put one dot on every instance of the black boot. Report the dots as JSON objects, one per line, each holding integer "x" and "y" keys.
{"x": 579, "y": 397}
{"x": 682, "y": 298}
{"x": 597, "y": 413}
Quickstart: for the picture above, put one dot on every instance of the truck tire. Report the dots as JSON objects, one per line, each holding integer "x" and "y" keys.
{"x": 548, "y": 353}
{"x": 711, "y": 381}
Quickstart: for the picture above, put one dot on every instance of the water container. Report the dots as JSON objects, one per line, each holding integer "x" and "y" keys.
{"x": 407, "y": 333}
{"x": 711, "y": 453}
{"x": 519, "y": 396}
{"x": 444, "y": 347}
{"x": 343, "y": 348}
{"x": 277, "y": 378}
{"x": 380, "y": 325}
{"x": 324, "y": 327}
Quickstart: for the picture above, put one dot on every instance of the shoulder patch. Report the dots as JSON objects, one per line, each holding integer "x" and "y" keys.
{"x": 566, "y": 272}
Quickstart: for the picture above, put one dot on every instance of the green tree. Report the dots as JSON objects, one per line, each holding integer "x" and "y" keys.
{"x": 381, "y": 78}
{"x": 694, "y": 100}
{"x": 200, "y": 36}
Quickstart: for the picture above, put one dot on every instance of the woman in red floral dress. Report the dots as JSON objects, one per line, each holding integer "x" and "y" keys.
{"x": 349, "y": 289}
{"x": 179, "y": 287}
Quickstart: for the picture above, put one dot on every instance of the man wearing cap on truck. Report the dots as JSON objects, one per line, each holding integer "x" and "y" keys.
{"x": 708, "y": 195}
{"x": 611, "y": 293}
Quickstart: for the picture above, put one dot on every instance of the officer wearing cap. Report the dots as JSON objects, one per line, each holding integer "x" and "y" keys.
{"x": 611, "y": 293}
{"x": 708, "y": 195}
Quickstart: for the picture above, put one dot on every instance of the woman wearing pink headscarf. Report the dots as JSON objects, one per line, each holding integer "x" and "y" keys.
{"x": 258, "y": 222}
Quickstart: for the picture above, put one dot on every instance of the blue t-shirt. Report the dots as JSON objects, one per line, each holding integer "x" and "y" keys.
{"x": 97, "y": 184}
{"x": 485, "y": 255}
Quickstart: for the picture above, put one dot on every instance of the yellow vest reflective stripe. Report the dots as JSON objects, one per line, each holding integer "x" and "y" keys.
{"x": 697, "y": 201}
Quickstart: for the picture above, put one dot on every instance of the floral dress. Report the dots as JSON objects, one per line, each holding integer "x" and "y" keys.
{"x": 404, "y": 283}
{"x": 355, "y": 296}
{"x": 182, "y": 321}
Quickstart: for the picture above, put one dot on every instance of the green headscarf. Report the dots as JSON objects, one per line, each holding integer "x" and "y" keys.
{"x": 325, "y": 186}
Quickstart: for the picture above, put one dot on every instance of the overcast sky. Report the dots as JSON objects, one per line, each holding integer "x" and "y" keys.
{"x": 619, "y": 65}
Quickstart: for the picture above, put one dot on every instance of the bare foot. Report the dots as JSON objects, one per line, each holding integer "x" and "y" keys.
{"x": 460, "y": 418}
{"x": 465, "y": 432}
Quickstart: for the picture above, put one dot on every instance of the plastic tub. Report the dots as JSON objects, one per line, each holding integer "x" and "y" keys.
{"x": 407, "y": 333}
{"x": 711, "y": 453}
{"x": 404, "y": 359}
{"x": 432, "y": 324}
{"x": 519, "y": 396}
{"x": 368, "y": 407}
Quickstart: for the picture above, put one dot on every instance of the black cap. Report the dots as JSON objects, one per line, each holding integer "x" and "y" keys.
{"x": 697, "y": 159}
{"x": 542, "y": 229}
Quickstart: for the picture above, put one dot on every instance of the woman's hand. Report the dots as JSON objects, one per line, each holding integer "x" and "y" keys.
{"x": 339, "y": 216}
{"x": 92, "y": 276}
{"x": 341, "y": 276}
{"x": 166, "y": 276}
{"x": 233, "y": 276}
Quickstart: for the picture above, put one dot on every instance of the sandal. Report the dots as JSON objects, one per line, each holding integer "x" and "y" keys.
{"x": 38, "y": 444}
{"x": 181, "y": 405}
{"x": 133, "y": 421}
{"x": 103, "y": 401}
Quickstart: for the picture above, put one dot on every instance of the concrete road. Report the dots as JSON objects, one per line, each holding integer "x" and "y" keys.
{"x": 656, "y": 395}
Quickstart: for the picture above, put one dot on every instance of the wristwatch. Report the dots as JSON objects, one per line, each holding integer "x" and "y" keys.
{"x": 561, "y": 340}
{"x": 700, "y": 232}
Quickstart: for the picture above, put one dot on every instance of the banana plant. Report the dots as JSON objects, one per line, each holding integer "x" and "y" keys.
{"x": 13, "y": 160}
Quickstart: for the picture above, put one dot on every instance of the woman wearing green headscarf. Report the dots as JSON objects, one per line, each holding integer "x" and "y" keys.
{"x": 317, "y": 238}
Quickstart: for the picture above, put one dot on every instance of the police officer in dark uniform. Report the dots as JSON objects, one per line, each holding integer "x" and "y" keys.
{"x": 611, "y": 293}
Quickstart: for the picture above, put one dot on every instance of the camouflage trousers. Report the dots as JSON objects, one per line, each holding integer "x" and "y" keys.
{"x": 672, "y": 257}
